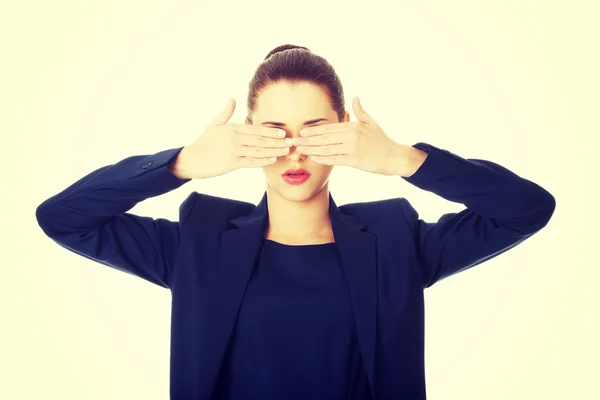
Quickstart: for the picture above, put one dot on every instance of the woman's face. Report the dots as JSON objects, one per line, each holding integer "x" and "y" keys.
{"x": 291, "y": 106}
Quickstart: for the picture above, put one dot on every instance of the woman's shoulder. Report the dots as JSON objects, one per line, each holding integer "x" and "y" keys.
{"x": 206, "y": 207}
{"x": 376, "y": 208}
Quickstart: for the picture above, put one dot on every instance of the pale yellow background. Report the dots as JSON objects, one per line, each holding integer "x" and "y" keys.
{"x": 87, "y": 83}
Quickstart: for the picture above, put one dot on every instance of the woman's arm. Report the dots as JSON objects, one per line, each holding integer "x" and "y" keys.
{"x": 502, "y": 210}
{"x": 90, "y": 217}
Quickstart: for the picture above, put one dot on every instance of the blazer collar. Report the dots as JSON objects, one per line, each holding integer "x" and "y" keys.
{"x": 259, "y": 215}
{"x": 239, "y": 250}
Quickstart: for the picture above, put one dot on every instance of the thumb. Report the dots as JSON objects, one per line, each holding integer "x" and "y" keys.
{"x": 360, "y": 113}
{"x": 224, "y": 116}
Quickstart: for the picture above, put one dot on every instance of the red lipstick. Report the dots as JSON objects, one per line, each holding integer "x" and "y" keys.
{"x": 295, "y": 176}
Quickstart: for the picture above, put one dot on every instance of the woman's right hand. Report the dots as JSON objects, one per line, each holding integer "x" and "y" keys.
{"x": 224, "y": 147}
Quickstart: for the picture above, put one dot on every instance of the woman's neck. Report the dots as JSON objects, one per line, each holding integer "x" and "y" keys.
{"x": 306, "y": 220}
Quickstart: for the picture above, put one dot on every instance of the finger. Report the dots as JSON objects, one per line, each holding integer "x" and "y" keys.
{"x": 261, "y": 141}
{"x": 321, "y": 140}
{"x": 261, "y": 152}
{"x": 326, "y": 128}
{"x": 259, "y": 130}
{"x": 337, "y": 159}
{"x": 251, "y": 162}
{"x": 360, "y": 112}
{"x": 225, "y": 114}
{"x": 335, "y": 149}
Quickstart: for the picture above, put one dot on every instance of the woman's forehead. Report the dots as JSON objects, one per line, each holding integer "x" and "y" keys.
{"x": 295, "y": 104}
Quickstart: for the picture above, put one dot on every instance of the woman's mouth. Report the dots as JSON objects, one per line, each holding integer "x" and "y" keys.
{"x": 295, "y": 177}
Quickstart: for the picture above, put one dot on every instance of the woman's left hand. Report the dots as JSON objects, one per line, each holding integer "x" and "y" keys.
{"x": 362, "y": 145}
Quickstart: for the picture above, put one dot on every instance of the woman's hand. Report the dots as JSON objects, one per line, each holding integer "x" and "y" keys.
{"x": 362, "y": 145}
{"x": 224, "y": 147}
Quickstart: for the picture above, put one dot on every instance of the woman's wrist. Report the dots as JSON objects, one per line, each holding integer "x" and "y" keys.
{"x": 177, "y": 166}
{"x": 408, "y": 160}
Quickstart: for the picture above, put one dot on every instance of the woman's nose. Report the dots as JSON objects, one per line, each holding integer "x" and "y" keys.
{"x": 294, "y": 155}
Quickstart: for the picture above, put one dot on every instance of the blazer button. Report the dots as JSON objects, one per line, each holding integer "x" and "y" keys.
{"x": 147, "y": 164}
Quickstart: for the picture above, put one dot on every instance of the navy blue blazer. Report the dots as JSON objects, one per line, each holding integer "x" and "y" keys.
{"x": 389, "y": 255}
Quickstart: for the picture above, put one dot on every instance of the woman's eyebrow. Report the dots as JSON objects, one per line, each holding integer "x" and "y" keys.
{"x": 312, "y": 121}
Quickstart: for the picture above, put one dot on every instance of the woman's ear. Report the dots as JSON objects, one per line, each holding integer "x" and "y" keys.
{"x": 347, "y": 117}
{"x": 247, "y": 121}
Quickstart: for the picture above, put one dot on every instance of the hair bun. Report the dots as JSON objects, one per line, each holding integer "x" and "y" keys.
{"x": 284, "y": 47}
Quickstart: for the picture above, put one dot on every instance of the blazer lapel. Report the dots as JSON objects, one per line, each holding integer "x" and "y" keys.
{"x": 237, "y": 258}
{"x": 358, "y": 255}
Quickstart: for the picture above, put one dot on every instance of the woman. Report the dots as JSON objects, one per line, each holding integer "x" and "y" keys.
{"x": 296, "y": 297}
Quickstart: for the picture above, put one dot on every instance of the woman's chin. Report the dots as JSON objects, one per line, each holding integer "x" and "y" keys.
{"x": 297, "y": 194}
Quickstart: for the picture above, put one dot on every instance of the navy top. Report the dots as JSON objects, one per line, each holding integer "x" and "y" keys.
{"x": 295, "y": 337}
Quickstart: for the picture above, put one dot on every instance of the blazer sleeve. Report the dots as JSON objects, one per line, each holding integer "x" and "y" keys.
{"x": 502, "y": 210}
{"x": 90, "y": 217}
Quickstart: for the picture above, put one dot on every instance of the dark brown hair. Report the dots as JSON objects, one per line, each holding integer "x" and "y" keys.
{"x": 296, "y": 64}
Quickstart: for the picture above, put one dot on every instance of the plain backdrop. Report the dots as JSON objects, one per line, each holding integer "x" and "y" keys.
{"x": 86, "y": 84}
